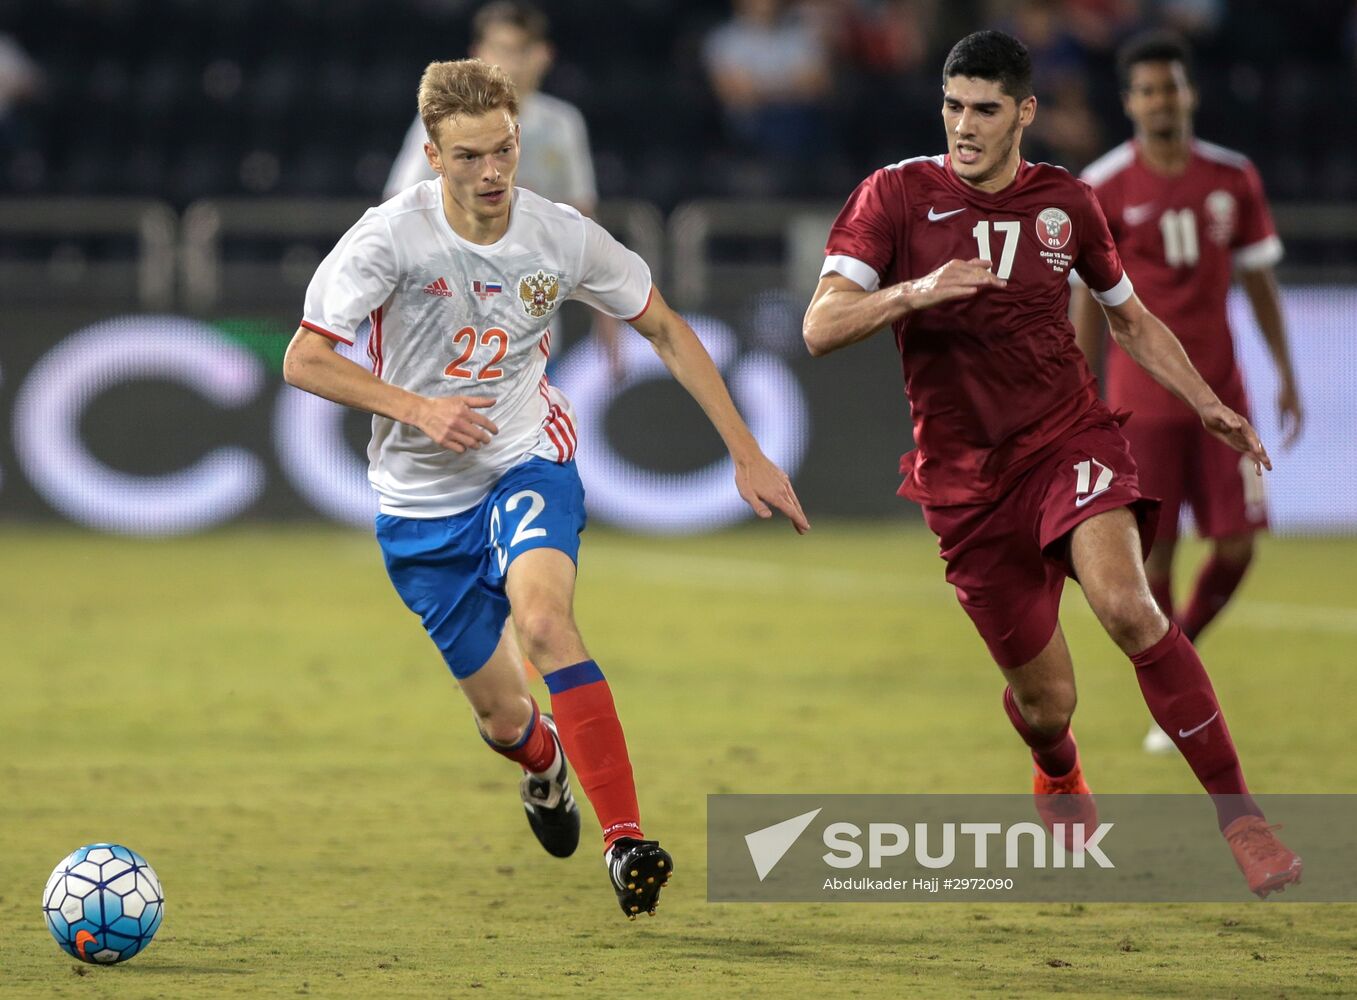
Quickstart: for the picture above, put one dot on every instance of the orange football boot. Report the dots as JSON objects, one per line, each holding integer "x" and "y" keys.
{"x": 1268, "y": 864}
{"x": 1065, "y": 800}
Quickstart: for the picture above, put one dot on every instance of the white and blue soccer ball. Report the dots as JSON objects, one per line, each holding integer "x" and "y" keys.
{"x": 103, "y": 904}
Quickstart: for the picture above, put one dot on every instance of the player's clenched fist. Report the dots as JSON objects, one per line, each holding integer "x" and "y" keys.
{"x": 454, "y": 423}
{"x": 956, "y": 279}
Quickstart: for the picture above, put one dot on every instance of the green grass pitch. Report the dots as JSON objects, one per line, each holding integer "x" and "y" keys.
{"x": 256, "y": 713}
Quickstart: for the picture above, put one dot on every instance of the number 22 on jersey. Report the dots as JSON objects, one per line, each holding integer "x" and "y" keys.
{"x": 465, "y": 341}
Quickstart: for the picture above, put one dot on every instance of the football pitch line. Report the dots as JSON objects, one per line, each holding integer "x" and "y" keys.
{"x": 657, "y": 566}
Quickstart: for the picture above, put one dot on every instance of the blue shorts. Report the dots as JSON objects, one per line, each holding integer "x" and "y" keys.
{"x": 450, "y": 570}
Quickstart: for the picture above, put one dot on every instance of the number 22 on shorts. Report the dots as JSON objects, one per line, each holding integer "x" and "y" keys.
{"x": 523, "y": 531}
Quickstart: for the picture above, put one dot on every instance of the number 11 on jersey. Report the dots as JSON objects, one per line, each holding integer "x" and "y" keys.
{"x": 1010, "y": 230}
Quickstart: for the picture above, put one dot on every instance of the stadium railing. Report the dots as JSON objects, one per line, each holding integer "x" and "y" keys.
{"x": 113, "y": 250}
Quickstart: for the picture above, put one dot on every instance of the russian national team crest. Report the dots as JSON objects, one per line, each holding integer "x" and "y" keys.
{"x": 1054, "y": 228}
{"x": 537, "y": 293}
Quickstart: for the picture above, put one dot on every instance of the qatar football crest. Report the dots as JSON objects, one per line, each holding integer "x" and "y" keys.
{"x": 1054, "y": 228}
{"x": 1220, "y": 212}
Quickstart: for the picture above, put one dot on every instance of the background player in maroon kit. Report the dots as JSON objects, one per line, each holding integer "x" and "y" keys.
{"x": 1021, "y": 470}
{"x": 1186, "y": 214}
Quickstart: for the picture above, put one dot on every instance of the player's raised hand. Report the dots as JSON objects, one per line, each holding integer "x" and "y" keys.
{"x": 1237, "y": 432}
{"x": 764, "y": 486}
{"x": 1291, "y": 413}
{"x": 454, "y": 423}
{"x": 957, "y": 279}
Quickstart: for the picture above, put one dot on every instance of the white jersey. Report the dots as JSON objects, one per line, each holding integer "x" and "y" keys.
{"x": 454, "y": 318}
{"x": 554, "y": 161}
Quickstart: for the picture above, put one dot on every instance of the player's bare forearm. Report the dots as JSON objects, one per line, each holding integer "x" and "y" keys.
{"x": 690, "y": 364}
{"x": 1154, "y": 348}
{"x": 761, "y": 483}
{"x": 311, "y": 364}
{"x": 842, "y": 313}
{"x": 1089, "y": 324}
{"x": 1261, "y": 287}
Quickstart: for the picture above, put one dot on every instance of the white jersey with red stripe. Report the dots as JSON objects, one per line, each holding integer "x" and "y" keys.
{"x": 454, "y": 318}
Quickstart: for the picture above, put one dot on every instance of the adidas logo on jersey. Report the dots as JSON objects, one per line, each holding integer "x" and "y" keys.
{"x": 439, "y": 287}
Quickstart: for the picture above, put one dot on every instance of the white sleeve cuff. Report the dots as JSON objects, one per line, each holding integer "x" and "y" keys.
{"x": 852, "y": 269}
{"x": 1118, "y": 293}
{"x": 1265, "y": 253}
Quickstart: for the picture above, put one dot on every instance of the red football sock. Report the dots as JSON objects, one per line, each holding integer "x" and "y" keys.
{"x": 535, "y": 749}
{"x": 1055, "y": 754}
{"x": 1180, "y": 698}
{"x": 586, "y": 718}
{"x": 1162, "y": 589}
{"x": 1217, "y": 581}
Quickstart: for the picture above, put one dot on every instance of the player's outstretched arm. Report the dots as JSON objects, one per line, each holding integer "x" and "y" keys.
{"x": 1261, "y": 286}
{"x": 761, "y": 483}
{"x": 842, "y": 313}
{"x": 1153, "y": 346}
{"x": 450, "y": 421}
{"x": 1089, "y": 323}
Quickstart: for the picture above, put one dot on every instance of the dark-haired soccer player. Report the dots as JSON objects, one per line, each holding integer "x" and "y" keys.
{"x": 1021, "y": 470}
{"x": 1186, "y": 214}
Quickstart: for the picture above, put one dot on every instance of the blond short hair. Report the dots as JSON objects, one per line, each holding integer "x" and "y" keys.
{"x": 463, "y": 87}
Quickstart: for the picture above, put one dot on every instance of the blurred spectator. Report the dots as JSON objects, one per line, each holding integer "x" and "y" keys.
{"x": 1101, "y": 24}
{"x": 1066, "y": 130}
{"x": 20, "y": 80}
{"x": 770, "y": 71}
{"x": 1192, "y": 18}
{"x": 555, "y": 160}
{"x": 880, "y": 37}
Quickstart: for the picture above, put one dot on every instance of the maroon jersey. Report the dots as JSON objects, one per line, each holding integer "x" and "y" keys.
{"x": 996, "y": 379}
{"x": 1182, "y": 237}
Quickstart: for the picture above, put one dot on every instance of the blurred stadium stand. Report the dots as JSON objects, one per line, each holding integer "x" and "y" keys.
{"x": 187, "y": 99}
{"x": 199, "y": 158}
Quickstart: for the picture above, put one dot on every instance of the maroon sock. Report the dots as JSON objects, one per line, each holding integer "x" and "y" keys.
{"x": 1055, "y": 754}
{"x": 1180, "y": 698}
{"x": 1216, "y": 582}
{"x": 535, "y": 749}
{"x": 1162, "y": 589}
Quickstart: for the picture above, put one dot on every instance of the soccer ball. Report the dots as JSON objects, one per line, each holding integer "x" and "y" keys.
{"x": 103, "y": 903}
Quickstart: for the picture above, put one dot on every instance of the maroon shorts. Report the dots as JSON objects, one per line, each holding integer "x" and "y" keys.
{"x": 1008, "y": 560}
{"x": 1182, "y": 464}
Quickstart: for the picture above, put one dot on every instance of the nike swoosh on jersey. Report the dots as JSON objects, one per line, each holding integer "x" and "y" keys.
{"x": 934, "y": 216}
{"x": 1081, "y": 501}
{"x": 1136, "y": 214}
{"x": 1185, "y": 733}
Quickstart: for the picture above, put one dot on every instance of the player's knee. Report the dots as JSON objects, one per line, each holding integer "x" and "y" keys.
{"x": 1050, "y": 710}
{"x": 503, "y": 722}
{"x": 544, "y": 632}
{"x": 1133, "y": 621}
